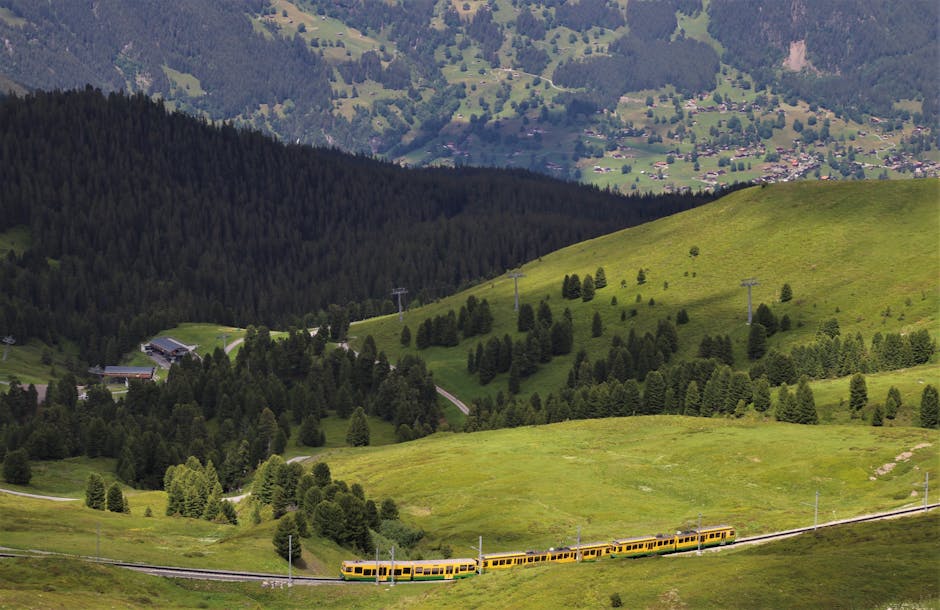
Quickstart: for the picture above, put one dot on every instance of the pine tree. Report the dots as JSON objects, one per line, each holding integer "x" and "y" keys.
{"x": 766, "y": 317}
{"x": 310, "y": 434}
{"x": 287, "y": 539}
{"x": 597, "y": 325}
{"x": 786, "y": 293}
{"x": 406, "y": 336}
{"x": 805, "y": 403}
{"x": 587, "y": 289}
{"x": 115, "y": 498}
{"x": 693, "y": 398}
{"x": 761, "y": 394}
{"x": 858, "y": 394}
{"x": 756, "y": 341}
{"x": 525, "y": 321}
{"x": 877, "y": 416}
{"x": 929, "y": 408}
{"x": 358, "y": 433}
{"x": 892, "y": 402}
{"x": 95, "y": 492}
{"x": 389, "y": 510}
{"x": 544, "y": 314}
{"x": 786, "y": 405}
{"x": 321, "y": 474}
{"x": 574, "y": 287}
{"x": 641, "y": 277}
{"x": 600, "y": 278}
{"x": 16, "y": 468}
{"x": 654, "y": 396}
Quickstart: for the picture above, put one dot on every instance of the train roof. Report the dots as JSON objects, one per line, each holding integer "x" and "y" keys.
{"x": 411, "y": 562}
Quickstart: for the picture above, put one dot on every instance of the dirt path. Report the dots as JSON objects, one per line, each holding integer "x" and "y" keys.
{"x": 37, "y": 496}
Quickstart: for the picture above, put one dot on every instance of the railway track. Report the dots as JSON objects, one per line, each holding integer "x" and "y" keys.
{"x": 280, "y": 580}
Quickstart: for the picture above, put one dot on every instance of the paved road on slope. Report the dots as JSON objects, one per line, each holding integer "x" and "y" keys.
{"x": 37, "y": 496}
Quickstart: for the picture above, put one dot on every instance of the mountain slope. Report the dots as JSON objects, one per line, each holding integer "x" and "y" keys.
{"x": 584, "y": 91}
{"x": 140, "y": 218}
{"x": 863, "y": 253}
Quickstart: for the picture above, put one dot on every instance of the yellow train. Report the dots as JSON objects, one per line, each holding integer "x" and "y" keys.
{"x": 452, "y": 569}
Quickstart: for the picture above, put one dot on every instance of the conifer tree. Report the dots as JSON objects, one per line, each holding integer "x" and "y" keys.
{"x": 805, "y": 403}
{"x": 525, "y": 321}
{"x": 95, "y": 492}
{"x": 115, "y": 498}
{"x": 358, "y": 433}
{"x": 929, "y": 408}
{"x": 597, "y": 325}
{"x": 693, "y": 398}
{"x": 16, "y": 468}
{"x": 406, "y": 336}
{"x": 892, "y": 402}
{"x": 641, "y": 277}
{"x": 287, "y": 539}
{"x": 786, "y": 293}
{"x": 600, "y": 278}
{"x": 877, "y": 416}
{"x": 654, "y": 396}
{"x": 321, "y": 474}
{"x": 761, "y": 394}
{"x": 574, "y": 287}
{"x": 756, "y": 341}
{"x": 587, "y": 289}
{"x": 786, "y": 405}
{"x": 544, "y": 314}
{"x": 858, "y": 394}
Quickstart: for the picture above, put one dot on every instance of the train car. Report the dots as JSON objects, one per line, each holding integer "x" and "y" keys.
{"x": 716, "y": 535}
{"x": 510, "y": 559}
{"x": 427, "y": 569}
{"x": 638, "y": 546}
{"x": 590, "y": 551}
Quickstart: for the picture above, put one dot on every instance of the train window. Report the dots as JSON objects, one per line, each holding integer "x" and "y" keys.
{"x": 419, "y": 570}
{"x": 450, "y": 570}
{"x": 407, "y": 571}
{"x": 358, "y": 570}
{"x": 368, "y": 572}
{"x": 397, "y": 571}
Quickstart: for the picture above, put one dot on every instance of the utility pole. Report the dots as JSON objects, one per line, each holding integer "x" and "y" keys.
{"x": 749, "y": 282}
{"x": 816, "y": 512}
{"x": 376, "y": 566}
{"x": 926, "y": 489}
{"x": 391, "y": 573}
{"x": 480, "y": 557}
{"x": 699, "y": 532}
{"x": 578, "y": 555}
{"x": 7, "y": 342}
{"x": 398, "y": 292}
{"x": 290, "y": 560}
{"x": 98, "y": 544}
{"x": 515, "y": 275}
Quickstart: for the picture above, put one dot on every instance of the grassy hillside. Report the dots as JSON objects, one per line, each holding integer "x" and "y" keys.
{"x": 854, "y": 252}
{"x": 870, "y": 565}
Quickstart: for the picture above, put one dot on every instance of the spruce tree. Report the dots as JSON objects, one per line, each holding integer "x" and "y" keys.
{"x": 16, "y": 468}
{"x": 544, "y": 314}
{"x": 115, "y": 498}
{"x": 693, "y": 398}
{"x": 805, "y": 403}
{"x": 654, "y": 396}
{"x": 95, "y": 492}
{"x": 525, "y": 321}
{"x": 877, "y": 416}
{"x": 358, "y": 433}
{"x": 405, "y": 338}
{"x": 756, "y": 341}
{"x": 574, "y": 287}
{"x": 929, "y": 408}
{"x": 597, "y": 325}
{"x": 786, "y": 405}
{"x": 892, "y": 402}
{"x": 786, "y": 293}
{"x": 321, "y": 474}
{"x": 587, "y": 289}
{"x": 766, "y": 317}
{"x": 287, "y": 539}
{"x": 641, "y": 277}
{"x": 761, "y": 394}
{"x": 858, "y": 394}
{"x": 600, "y": 278}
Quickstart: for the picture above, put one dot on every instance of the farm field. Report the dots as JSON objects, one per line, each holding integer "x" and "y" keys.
{"x": 835, "y": 244}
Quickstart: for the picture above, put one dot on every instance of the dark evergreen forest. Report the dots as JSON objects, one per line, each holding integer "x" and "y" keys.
{"x": 141, "y": 218}
{"x": 234, "y": 414}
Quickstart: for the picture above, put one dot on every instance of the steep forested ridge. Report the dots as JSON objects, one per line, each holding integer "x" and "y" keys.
{"x": 141, "y": 218}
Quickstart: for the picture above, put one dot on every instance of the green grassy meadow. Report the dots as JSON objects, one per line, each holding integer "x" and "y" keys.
{"x": 871, "y": 565}
{"x": 849, "y": 251}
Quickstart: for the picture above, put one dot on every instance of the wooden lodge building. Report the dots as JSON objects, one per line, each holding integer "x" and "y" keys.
{"x": 169, "y": 348}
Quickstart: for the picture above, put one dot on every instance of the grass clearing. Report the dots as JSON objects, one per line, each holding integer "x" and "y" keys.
{"x": 837, "y": 245}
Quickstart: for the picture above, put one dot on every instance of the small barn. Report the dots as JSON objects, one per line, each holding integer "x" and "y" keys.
{"x": 169, "y": 348}
{"x": 125, "y": 373}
